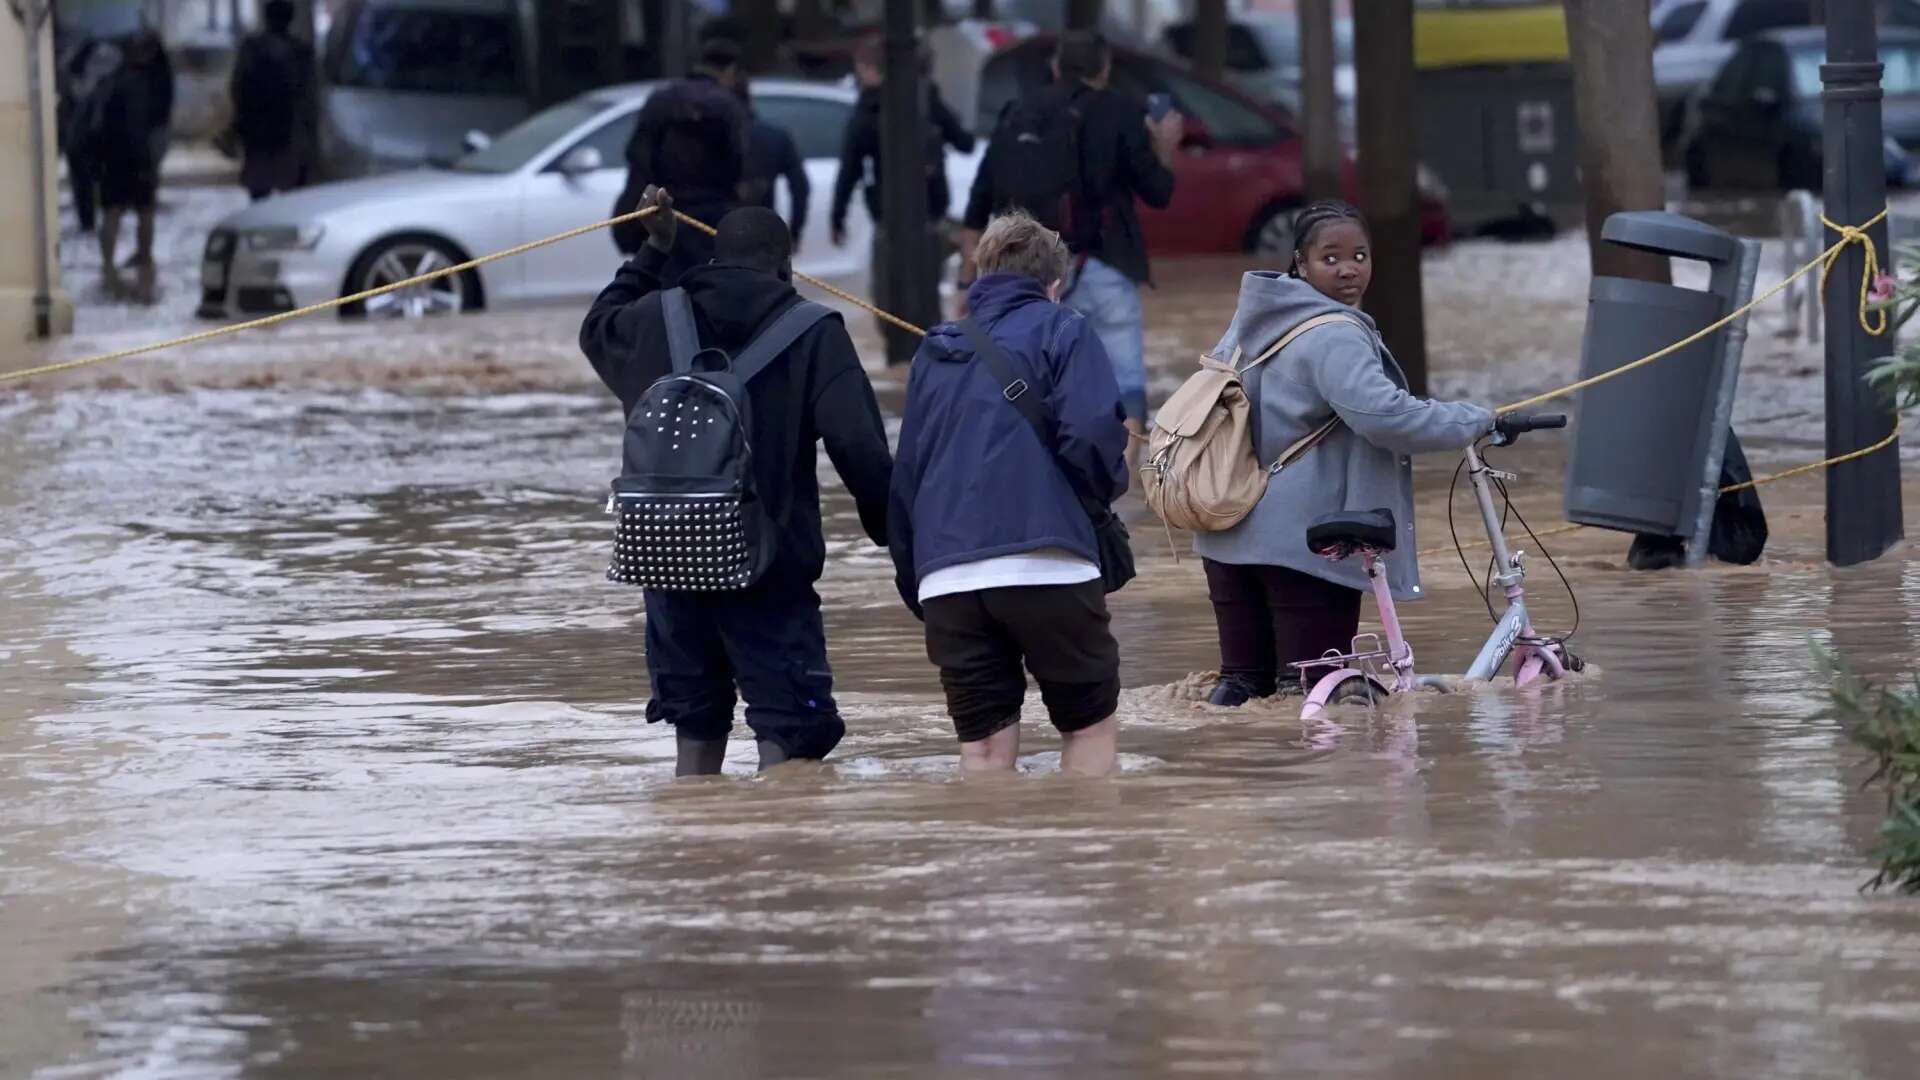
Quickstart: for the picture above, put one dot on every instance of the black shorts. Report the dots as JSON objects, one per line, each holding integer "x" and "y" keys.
{"x": 978, "y": 640}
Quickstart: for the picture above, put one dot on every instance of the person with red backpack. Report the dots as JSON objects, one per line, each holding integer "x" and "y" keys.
{"x": 1076, "y": 155}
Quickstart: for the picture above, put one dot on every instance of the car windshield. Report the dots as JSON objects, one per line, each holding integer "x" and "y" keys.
{"x": 1902, "y": 74}
{"x": 1679, "y": 20}
{"x": 430, "y": 50}
{"x": 520, "y": 143}
{"x": 1281, "y": 39}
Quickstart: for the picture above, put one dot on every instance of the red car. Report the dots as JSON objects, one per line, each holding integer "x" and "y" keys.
{"x": 1239, "y": 177}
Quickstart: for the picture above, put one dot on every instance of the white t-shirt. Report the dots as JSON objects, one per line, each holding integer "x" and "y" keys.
{"x": 1047, "y": 566}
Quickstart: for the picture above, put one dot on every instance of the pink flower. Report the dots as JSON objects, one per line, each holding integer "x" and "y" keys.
{"x": 1883, "y": 287}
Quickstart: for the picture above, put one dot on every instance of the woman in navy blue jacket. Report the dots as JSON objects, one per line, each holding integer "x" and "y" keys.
{"x": 992, "y": 546}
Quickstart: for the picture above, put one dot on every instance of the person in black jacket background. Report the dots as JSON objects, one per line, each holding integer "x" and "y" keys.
{"x": 860, "y": 168}
{"x": 691, "y": 139}
{"x": 768, "y": 639}
{"x": 271, "y": 89}
{"x": 772, "y": 155}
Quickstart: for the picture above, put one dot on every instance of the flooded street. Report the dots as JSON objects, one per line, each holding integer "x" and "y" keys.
{"x": 322, "y": 753}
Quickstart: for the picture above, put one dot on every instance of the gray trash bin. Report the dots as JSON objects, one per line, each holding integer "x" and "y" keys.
{"x": 1647, "y": 446}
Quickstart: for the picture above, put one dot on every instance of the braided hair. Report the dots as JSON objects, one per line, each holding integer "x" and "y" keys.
{"x": 1314, "y": 216}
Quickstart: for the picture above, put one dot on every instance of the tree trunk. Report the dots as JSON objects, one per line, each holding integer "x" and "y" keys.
{"x": 1319, "y": 106}
{"x": 1083, "y": 14}
{"x": 1618, "y": 120}
{"x": 1383, "y": 53}
{"x": 762, "y": 47}
{"x": 1210, "y": 38}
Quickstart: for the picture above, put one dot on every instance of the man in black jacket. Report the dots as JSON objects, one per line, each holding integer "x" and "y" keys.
{"x": 860, "y": 168}
{"x": 1124, "y": 156}
{"x": 772, "y": 155}
{"x": 691, "y": 139}
{"x": 271, "y": 91}
{"x": 767, "y": 639}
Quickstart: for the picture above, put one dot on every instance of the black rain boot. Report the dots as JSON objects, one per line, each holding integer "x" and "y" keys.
{"x": 1657, "y": 552}
{"x": 771, "y": 754}
{"x": 1234, "y": 690}
{"x": 699, "y": 757}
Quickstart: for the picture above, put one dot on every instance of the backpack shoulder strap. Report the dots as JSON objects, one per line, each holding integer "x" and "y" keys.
{"x": 777, "y": 338}
{"x": 1293, "y": 335}
{"x": 683, "y": 336}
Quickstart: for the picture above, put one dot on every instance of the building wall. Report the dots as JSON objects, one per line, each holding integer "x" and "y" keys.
{"x": 17, "y": 159}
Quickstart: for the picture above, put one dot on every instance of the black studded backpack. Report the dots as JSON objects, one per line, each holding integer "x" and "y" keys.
{"x": 688, "y": 515}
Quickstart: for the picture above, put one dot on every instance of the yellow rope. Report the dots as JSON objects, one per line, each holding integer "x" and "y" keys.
{"x": 1856, "y": 234}
{"x": 1785, "y": 474}
{"x": 821, "y": 285}
{"x": 324, "y": 305}
{"x": 1823, "y": 262}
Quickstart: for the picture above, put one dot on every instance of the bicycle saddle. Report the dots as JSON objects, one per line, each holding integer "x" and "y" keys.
{"x": 1342, "y": 534}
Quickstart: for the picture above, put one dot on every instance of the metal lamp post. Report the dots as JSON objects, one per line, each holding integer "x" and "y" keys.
{"x": 1863, "y": 496}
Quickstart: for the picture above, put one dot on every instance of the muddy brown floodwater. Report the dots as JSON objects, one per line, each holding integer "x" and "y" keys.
{"x": 321, "y": 753}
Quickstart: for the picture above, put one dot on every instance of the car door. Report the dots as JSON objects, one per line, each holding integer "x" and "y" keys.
{"x": 553, "y": 200}
{"x": 818, "y": 125}
{"x": 1714, "y": 155}
{"x": 1223, "y": 174}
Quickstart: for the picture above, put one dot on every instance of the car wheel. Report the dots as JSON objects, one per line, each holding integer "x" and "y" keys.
{"x": 1272, "y": 237}
{"x": 402, "y": 257}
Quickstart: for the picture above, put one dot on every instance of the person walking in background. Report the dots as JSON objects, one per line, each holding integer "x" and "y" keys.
{"x": 992, "y": 545}
{"x": 271, "y": 88}
{"x": 1275, "y": 601}
{"x": 772, "y": 155}
{"x": 691, "y": 139}
{"x": 767, "y": 638}
{"x": 1114, "y": 154}
{"x": 84, "y": 68}
{"x": 860, "y": 168}
{"x": 128, "y": 140}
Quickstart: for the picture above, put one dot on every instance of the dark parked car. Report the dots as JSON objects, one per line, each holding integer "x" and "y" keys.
{"x": 1239, "y": 174}
{"x": 1758, "y": 125}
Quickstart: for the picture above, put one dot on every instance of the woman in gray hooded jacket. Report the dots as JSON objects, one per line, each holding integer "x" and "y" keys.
{"x": 1275, "y": 601}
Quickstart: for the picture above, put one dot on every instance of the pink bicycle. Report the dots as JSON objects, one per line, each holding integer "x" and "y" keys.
{"x": 1374, "y": 670}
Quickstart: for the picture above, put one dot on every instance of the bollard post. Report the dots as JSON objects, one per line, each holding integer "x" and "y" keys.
{"x": 1863, "y": 496}
{"x": 909, "y": 289}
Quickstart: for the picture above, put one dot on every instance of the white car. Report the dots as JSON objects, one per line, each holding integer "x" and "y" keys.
{"x": 1692, "y": 40}
{"x": 557, "y": 170}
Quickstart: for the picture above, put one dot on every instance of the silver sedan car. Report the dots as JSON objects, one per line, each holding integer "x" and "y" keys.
{"x": 557, "y": 170}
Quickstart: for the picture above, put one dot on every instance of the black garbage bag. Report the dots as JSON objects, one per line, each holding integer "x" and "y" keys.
{"x": 1739, "y": 531}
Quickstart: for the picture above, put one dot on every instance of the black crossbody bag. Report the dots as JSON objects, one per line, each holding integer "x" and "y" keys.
{"x": 1109, "y": 532}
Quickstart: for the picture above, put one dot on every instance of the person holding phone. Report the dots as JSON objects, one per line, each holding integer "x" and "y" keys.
{"x": 1125, "y": 150}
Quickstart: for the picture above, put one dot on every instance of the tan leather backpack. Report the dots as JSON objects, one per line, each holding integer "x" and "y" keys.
{"x": 1202, "y": 472}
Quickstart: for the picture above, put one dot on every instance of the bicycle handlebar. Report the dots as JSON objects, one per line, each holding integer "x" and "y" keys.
{"x": 1508, "y": 428}
{"x": 1520, "y": 422}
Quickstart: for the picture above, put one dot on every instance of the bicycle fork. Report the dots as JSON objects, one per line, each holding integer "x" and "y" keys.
{"x": 1513, "y": 633}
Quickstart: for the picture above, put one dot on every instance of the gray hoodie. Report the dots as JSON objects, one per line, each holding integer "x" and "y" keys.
{"x": 1363, "y": 465}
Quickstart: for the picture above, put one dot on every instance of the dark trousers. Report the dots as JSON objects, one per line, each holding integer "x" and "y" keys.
{"x": 768, "y": 641}
{"x": 85, "y": 188}
{"x": 1270, "y": 617}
